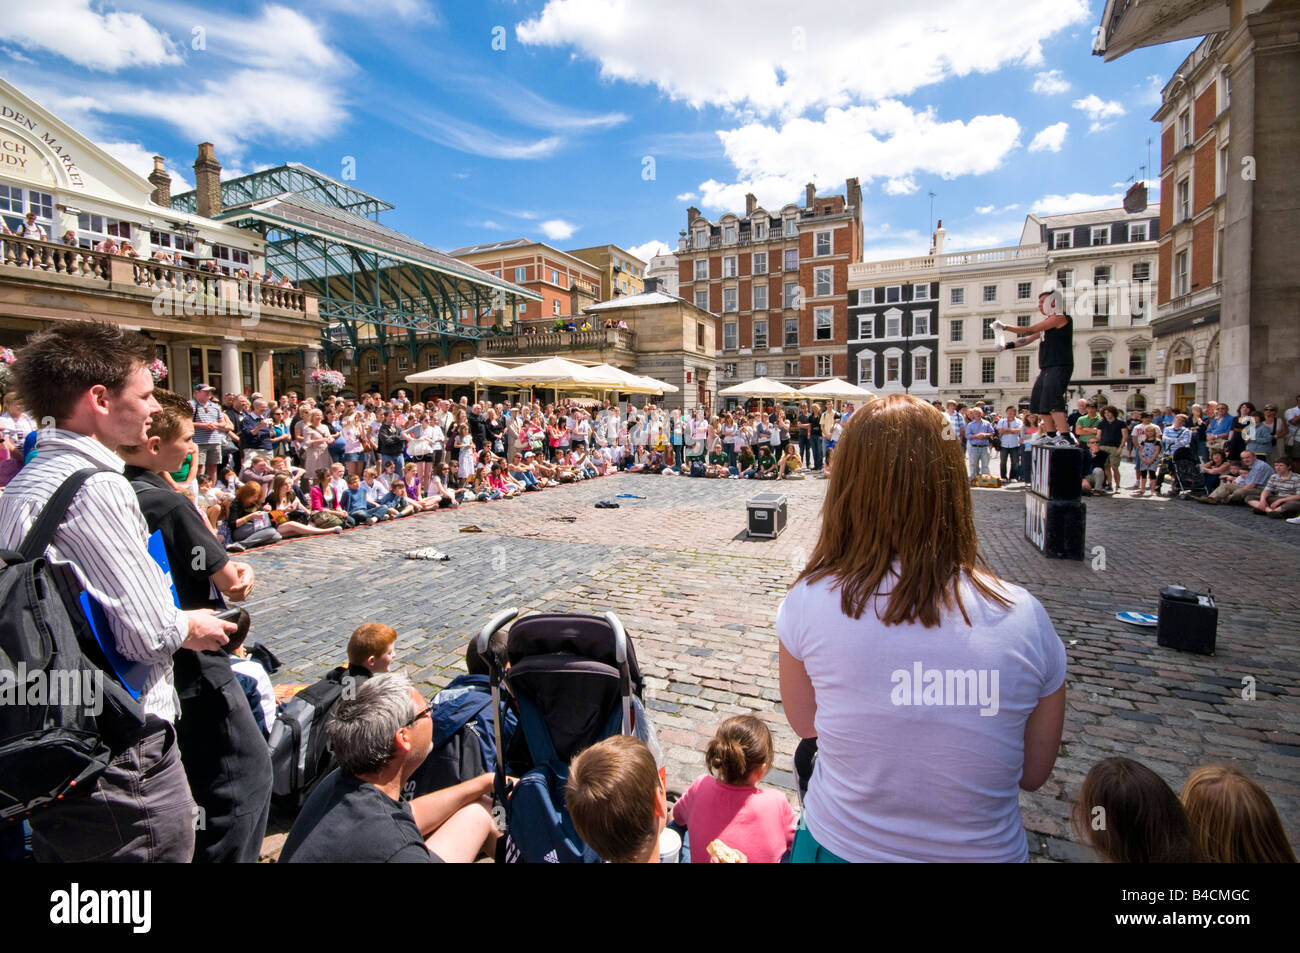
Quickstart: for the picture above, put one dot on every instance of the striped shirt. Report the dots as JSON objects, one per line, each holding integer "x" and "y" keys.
{"x": 207, "y": 413}
{"x": 102, "y": 542}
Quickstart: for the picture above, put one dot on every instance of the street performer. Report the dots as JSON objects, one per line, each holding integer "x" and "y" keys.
{"x": 1055, "y": 367}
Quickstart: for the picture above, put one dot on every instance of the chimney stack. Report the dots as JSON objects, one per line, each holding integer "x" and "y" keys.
{"x": 810, "y": 195}
{"x": 162, "y": 184}
{"x": 207, "y": 181}
{"x": 751, "y": 203}
{"x": 692, "y": 214}
{"x": 1135, "y": 200}
{"x": 853, "y": 190}
{"x": 939, "y": 234}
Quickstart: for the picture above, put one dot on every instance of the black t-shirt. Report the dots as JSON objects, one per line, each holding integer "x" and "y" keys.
{"x": 188, "y": 542}
{"x": 1057, "y": 347}
{"x": 349, "y": 820}
{"x": 1110, "y": 432}
{"x": 814, "y": 425}
{"x": 391, "y": 443}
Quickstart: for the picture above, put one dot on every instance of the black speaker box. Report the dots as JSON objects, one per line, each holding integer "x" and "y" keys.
{"x": 1055, "y": 527}
{"x": 1187, "y": 621}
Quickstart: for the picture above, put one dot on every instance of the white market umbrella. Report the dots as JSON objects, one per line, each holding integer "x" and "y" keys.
{"x": 555, "y": 372}
{"x": 836, "y": 389}
{"x": 760, "y": 387}
{"x": 475, "y": 371}
{"x": 625, "y": 382}
{"x": 660, "y": 387}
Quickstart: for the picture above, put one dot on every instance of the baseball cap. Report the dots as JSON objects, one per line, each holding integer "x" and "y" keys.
{"x": 199, "y": 387}
{"x": 528, "y": 454}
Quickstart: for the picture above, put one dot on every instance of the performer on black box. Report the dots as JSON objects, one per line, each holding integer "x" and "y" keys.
{"x": 1055, "y": 367}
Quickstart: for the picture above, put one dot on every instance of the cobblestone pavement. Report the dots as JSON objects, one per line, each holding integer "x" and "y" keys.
{"x": 700, "y": 599}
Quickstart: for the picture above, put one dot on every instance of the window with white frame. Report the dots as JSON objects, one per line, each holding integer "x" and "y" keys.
{"x": 760, "y": 333}
{"x": 893, "y": 368}
{"x": 822, "y": 244}
{"x": 729, "y": 266}
{"x": 792, "y": 259}
{"x": 792, "y": 368}
{"x": 701, "y": 269}
{"x": 729, "y": 370}
{"x": 1225, "y": 170}
{"x": 760, "y": 231}
{"x": 1184, "y": 129}
{"x": 760, "y": 262}
{"x": 1024, "y": 289}
{"x": 430, "y": 360}
{"x": 173, "y": 243}
{"x": 729, "y": 300}
{"x": 760, "y": 297}
{"x": 866, "y": 327}
{"x": 1101, "y": 235}
{"x": 729, "y": 235}
{"x": 866, "y": 369}
{"x": 1022, "y": 368}
{"x": 1022, "y": 320}
{"x": 730, "y": 336}
{"x": 957, "y": 296}
{"x": 791, "y": 227}
{"x": 1137, "y": 362}
{"x": 523, "y": 308}
{"x": 821, "y": 282}
{"x": 920, "y": 368}
{"x": 372, "y": 365}
{"x": 893, "y": 324}
{"x": 701, "y": 239}
{"x": 791, "y": 332}
{"x": 1064, "y": 278}
{"x": 403, "y": 363}
{"x": 1101, "y": 296}
{"x": 1181, "y": 274}
{"x": 921, "y": 292}
{"x": 1137, "y": 231}
{"x": 1062, "y": 240}
{"x": 1100, "y": 362}
{"x": 823, "y": 324}
{"x": 823, "y": 365}
{"x": 760, "y": 368}
{"x": 92, "y": 229}
{"x": 866, "y": 296}
{"x": 520, "y": 274}
{"x": 955, "y": 330}
{"x": 791, "y": 298}
{"x": 227, "y": 259}
{"x": 987, "y": 330}
{"x": 990, "y": 293}
{"x": 16, "y": 202}
{"x": 921, "y": 323}
{"x": 988, "y": 370}
{"x": 702, "y": 300}
{"x": 954, "y": 371}
{"x": 893, "y": 294}
{"x": 555, "y": 307}
{"x": 1184, "y": 199}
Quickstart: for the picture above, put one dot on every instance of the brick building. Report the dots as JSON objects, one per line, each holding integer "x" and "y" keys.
{"x": 565, "y": 283}
{"x": 777, "y": 283}
{"x": 621, "y": 272}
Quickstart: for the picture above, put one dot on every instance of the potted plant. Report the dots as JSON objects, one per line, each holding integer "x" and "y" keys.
{"x": 327, "y": 379}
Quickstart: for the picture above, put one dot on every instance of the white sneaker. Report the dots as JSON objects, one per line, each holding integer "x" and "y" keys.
{"x": 1294, "y": 519}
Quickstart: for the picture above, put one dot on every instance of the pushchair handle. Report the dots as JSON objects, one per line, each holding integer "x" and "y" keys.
{"x": 625, "y": 680}
{"x": 620, "y": 638}
{"x": 485, "y": 634}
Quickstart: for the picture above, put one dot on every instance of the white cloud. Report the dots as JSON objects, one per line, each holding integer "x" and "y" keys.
{"x": 1149, "y": 92}
{"x": 488, "y": 223}
{"x": 448, "y": 130}
{"x": 650, "y": 249}
{"x": 796, "y": 59}
{"x": 687, "y": 197}
{"x": 385, "y": 10}
{"x": 1076, "y": 202}
{"x": 1099, "y": 110}
{"x": 98, "y": 41}
{"x": 903, "y": 185}
{"x": 888, "y": 140}
{"x": 1051, "y": 83}
{"x": 1050, "y": 139}
{"x": 557, "y": 229}
{"x": 525, "y": 106}
{"x": 990, "y": 209}
{"x": 140, "y": 161}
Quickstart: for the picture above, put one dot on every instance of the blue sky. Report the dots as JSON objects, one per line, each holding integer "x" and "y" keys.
{"x": 581, "y": 122}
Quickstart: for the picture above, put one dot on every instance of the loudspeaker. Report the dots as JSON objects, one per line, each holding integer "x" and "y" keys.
{"x": 1187, "y": 621}
{"x": 1055, "y": 527}
{"x": 1057, "y": 472}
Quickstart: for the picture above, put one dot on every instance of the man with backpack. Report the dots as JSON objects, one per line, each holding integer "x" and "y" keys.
{"x": 92, "y": 379}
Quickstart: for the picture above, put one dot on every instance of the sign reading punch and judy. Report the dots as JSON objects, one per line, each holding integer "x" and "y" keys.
{"x": 22, "y": 159}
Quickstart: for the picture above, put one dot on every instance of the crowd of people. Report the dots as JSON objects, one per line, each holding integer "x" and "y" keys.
{"x": 1245, "y": 457}
{"x": 895, "y": 576}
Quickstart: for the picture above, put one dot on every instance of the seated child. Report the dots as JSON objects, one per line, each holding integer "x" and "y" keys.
{"x": 766, "y": 469}
{"x": 790, "y": 465}
{"x": 252, "y": 677}
{"x": 616, "y": 800}
{"x": 1233, "y": 820}
{"x": 726, "y": 804}
{"x": 1128, "y": 815}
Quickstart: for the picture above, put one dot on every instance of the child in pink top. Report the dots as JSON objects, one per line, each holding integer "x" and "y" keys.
{"x": 729, "y": 806}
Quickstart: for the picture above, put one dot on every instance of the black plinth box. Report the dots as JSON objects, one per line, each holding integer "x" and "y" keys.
{"x": 1056, "y": 527}
{"x": 1057, "y": 472}
{"x": 1055, "y": 517}
{"x": 1188, "y": 621}
{"x": 767, "y": 515}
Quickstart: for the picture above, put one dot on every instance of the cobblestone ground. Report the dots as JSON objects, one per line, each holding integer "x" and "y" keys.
{"x": 700, "y": 600}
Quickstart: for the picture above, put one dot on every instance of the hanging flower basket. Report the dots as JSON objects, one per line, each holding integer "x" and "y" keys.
{"x": 158, "y": 370}
{"x": 327, "y": 380}
{"x": 6, "y": 371}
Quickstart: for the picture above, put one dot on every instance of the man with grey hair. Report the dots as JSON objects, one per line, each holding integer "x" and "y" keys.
{"x": 356, "y": 813}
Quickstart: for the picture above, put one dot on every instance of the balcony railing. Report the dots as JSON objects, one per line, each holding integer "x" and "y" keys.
{"x": 554, "y": 342}
{"x": 865, "y": 271}
{"x": 24, "y": 257}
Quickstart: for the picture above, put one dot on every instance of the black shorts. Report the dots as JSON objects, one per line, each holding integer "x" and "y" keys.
{"x": 422, "y": 458}
{"x": 1049, "y": 390}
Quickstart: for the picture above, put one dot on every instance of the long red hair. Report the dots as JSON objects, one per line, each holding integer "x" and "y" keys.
{"x": 899, "y": 493}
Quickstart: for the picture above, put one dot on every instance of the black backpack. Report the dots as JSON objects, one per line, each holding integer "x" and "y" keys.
{"x": 300, "y": 751}
{"x": 51, "y": 744}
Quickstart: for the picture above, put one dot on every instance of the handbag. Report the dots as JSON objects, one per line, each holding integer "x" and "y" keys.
{"x": 323, "y": 520}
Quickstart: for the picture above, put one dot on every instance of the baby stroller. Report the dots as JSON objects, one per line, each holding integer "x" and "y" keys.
{"x": 571, "y": 680}
{"x": 1184, "y": 470}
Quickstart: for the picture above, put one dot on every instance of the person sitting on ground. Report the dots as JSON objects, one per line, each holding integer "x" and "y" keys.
{"x": 380, "y": 737}
{"x": 766, "y": 469}
{"x": 248, "y": 523}
{"x": 790, "y": 464}
{"x": 727, "y": 805}
{"x": 746, "y": 463}
{"x": 1141, "y": 820}
{"x": 1247, "y": 486}
{"x": 1215, "y": 469}
{"x": 616, "y": 800}
{"x": 482, "y": 487}
{"x": 358, "y": 507}
{"x": 1233, "y": 820}
{"x": 398, "y": 501}
{"x": 260, "y": 471}
{"x": 288, "y": 513}
{"x": 498, "y": 482}
{"x": 1281, "y": 495}
{"x": 325, "y": 503}
{"x": 1095, "y": 463}
{"x": 440, "y": 494}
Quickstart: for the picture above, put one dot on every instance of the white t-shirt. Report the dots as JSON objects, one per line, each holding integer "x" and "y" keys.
{"x": 900, "y": 776}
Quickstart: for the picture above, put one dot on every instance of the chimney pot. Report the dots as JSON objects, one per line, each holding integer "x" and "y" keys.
{"x": 207, "y": 181}
{"x": 751, "y": 203}
{"x": 162, "y": 184}
{"x": 810, "y": 195}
